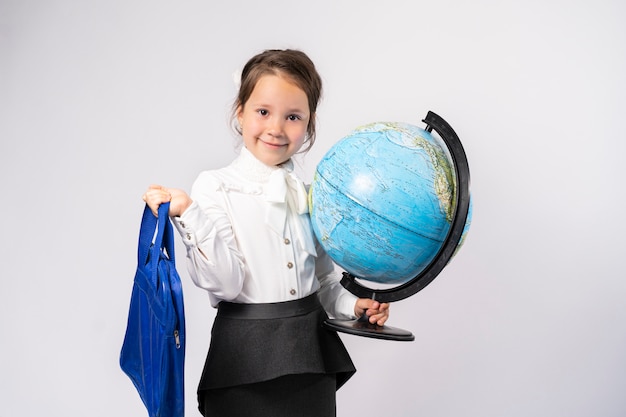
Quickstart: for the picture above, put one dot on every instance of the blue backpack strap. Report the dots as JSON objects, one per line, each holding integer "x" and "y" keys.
{"x": 146, "y": 235}
{"x": 150, "y": 245}
{"x": 168, "y": 232}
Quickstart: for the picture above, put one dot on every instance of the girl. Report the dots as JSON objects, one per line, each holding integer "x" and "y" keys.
{"x": 249, "y": 243}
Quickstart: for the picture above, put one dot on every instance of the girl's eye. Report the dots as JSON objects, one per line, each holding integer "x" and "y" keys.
{"x": 263, "y": 112}
{"x": 293, "y": 117}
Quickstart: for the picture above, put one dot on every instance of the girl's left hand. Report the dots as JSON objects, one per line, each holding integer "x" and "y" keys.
{"x": 377, "y": 312}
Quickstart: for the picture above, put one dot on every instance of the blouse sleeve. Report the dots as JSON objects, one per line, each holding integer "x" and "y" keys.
{"x": 337, "y": 301}
{"x": 206, "y": 231}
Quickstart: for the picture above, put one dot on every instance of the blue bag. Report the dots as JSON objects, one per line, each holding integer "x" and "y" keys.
{"x": 153, "y": 352}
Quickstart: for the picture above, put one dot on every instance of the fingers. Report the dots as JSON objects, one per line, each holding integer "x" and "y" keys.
{"x": 378, "y": 315}
{"x": 155, "y": 196}
{"x": 377, "y": 312}
{"x": 156, "y": 192}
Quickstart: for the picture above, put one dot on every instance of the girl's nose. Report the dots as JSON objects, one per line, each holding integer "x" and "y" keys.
{"x": 275, "y": 126}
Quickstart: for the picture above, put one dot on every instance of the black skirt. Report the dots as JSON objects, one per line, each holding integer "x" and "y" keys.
{"x": 257, "y": 351}
{"x": 301, "y": 395}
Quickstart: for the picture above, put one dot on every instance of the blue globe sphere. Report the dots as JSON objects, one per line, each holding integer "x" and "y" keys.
{"x": 382, "y": 201}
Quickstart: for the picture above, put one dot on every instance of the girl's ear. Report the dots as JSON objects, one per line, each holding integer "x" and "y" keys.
{"x": 239, "y": 114}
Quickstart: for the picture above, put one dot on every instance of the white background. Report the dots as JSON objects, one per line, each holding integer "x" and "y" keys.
{"x": 99, "y": 99}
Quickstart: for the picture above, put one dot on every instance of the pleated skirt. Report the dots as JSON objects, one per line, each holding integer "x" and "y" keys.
{"x": 274, "y": 360}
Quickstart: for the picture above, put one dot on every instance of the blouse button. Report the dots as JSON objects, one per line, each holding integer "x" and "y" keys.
{"x": 182, "y": 224}
{"x": 188, "y": 236}
{"x": 292, "y": 292}
{"x": 287, "y": 241}
{"x": 289, "y": 265}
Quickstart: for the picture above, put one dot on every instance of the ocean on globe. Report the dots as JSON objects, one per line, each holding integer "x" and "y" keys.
{"x": 382, "y": 201}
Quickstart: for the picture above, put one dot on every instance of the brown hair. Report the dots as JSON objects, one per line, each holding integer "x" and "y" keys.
{"x": 292, "y": 64}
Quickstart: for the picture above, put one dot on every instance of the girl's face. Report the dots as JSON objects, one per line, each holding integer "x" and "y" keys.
{"x": 274, "y": 120}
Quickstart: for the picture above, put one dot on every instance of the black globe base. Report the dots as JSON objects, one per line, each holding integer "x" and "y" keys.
{"x": 362, "y": 327}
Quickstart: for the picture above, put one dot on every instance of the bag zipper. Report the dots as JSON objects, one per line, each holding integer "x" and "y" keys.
{"x": 177, "y": 338}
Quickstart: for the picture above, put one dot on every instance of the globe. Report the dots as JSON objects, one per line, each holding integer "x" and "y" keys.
{"x": 382, "y": 201}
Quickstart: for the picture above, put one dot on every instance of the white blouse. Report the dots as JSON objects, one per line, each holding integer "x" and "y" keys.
{"x": 249, "y": 239}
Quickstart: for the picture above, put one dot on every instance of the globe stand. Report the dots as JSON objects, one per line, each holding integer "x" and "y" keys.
{"x": 361, "y": 326}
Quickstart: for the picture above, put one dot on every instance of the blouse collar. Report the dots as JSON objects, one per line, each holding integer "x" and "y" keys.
{"x": 254, "y": 170}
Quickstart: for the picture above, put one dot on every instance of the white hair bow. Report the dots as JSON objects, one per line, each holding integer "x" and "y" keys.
{"x": 237, "y": 79}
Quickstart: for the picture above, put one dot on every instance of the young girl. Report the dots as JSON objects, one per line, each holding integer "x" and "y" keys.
{"x": 249, "y": 243}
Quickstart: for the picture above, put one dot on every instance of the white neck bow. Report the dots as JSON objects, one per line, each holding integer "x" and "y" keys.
{"x": 285, "y": 190}
{"x": 286, "y": 187}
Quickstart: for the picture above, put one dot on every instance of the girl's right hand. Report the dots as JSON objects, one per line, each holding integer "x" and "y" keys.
{"x": 157, "y": 194}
